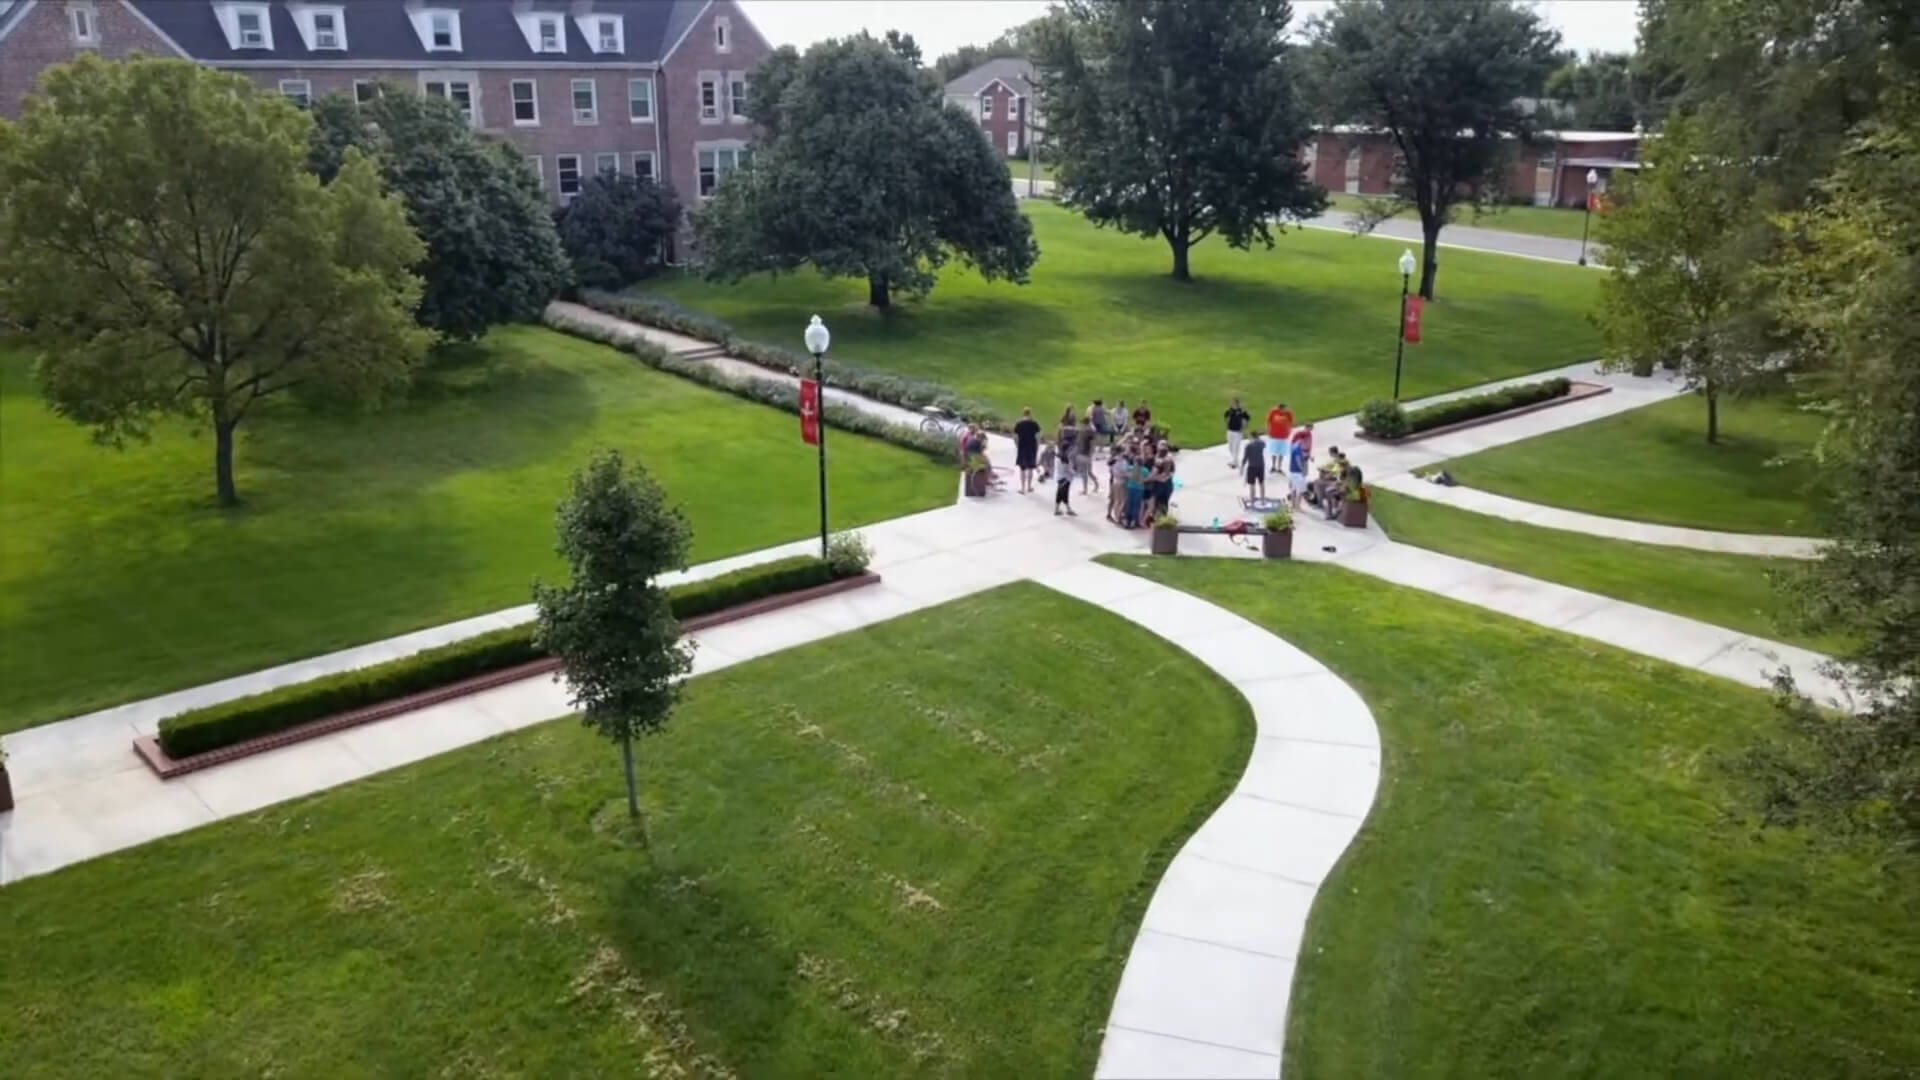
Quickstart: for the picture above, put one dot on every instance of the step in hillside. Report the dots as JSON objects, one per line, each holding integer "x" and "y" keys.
{"x": 704, "y": 352}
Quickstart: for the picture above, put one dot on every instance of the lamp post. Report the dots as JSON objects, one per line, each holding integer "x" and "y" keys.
{"x": 817, "y": 338}
{"x": 1400, "y": 335}
{"x": 1593, "y": 178}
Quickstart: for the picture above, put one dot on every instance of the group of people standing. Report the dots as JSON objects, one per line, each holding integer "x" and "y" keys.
{"x": 1287, "y": 449}
{"x": 1139, "y": 463}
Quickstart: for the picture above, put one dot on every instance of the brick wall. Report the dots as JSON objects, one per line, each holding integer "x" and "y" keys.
{"x": 44, "y": 37}
{"x": 681, "y": 128}
{"x": 1008, "y": 120}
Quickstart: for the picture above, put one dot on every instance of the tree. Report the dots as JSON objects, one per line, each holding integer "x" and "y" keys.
{"x": 492, "y": 253}
{"x": 170, "y": 254}
{"x": 1018, "y": 42}
{"x": 861, "y": 169}
{"x": 1597, "y": 92}
{"x": 1177, "y": 120}
{"x": 1851, "y": 284}
{"x": 1676, "y": 288}
{"x": 616, "y": 230}
{"x": 1443, "y": 81}
{"x": 611, "y": 625}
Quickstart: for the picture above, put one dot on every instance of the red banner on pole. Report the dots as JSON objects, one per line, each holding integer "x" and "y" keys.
{"x": 1595, "y": 203}
{"x": 1412, "y": 328}
{"x": 809, "y": 412}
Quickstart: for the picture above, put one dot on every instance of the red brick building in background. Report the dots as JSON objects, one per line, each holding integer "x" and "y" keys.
{"x": 1551, "y": 173}
{"x": 1000, "y": 93}
{"x": 645, "y": 87}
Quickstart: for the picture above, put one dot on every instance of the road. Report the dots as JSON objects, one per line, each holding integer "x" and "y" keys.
{"x": 1462, "y": 237}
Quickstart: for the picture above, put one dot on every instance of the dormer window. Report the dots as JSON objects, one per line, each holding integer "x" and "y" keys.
{"x": 250, "y": 27}
{"x": 609, "y": 35}
{"x": 606, "y": 33}
{"x": 550, "y": 35}
{"x": 326, "y": 31}
{"x": 443, "y": 31}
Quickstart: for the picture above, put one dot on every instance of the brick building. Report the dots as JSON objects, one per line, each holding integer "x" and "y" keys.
{"x": 648, "y": 87}
{"x": 1551, "y": 173}
{"x": 1001, "y": 93}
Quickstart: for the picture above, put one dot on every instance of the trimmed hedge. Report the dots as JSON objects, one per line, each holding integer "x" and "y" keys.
{"x": 902, "y": 390}
{"x": 772, "y": 392}
{"x": 215, "y": 726}
{"x": 1382, "y": 418}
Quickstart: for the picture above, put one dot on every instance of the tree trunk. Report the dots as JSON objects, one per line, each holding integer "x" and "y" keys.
{"x": 1180, "y": 246}
{"x": 1713, "y": 413}
{"x": 1429, "y": 258}
{"x": 223, "y": 462}
{"x": 633, "y": 786}
{"x": 877, "y": 292}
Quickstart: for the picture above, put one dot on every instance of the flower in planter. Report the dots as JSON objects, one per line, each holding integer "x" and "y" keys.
{"x": 1280, "y": 520}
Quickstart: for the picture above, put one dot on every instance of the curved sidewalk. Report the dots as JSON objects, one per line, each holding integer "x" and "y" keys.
{"x": 1610, "y": 528}
{"x": 1206, "y": 986}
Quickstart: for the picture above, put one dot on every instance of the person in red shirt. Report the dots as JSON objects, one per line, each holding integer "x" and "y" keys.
{"x": 1279, "y": 427}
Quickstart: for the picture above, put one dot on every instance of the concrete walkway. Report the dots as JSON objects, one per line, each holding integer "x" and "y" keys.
{"x": 1489, "y": 238}
{"x": 1205, "y": 989}
{"x": 1611, "y": 528}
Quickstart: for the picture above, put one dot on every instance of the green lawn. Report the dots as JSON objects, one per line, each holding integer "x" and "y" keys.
{"x": 1017, "y": 168}
{"x": 119, "y": 580}
{"x": 1557, "y": 879}
{"x": 1556, "y": 221}
{"x": 947, "y": 886}
{"x": 1308, "y": 323}
{"x": 1734, "y": 591}
{"x": 1655, "y": 464}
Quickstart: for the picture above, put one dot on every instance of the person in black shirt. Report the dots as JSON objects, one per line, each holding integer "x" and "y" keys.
{"x": 1237, "y": 418}
{"x": 1026, "y": 445}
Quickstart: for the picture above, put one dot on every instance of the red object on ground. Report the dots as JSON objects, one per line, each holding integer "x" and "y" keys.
{"x": 1412, "y": 327}
{"x": 1594, "y": 204}
{"x": 809, "y": 412}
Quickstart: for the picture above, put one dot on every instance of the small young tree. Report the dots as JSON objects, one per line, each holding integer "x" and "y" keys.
{"x": 1443, "y": 81}
{"x": 492, "y": 253}
{"x": 1678, "y": 285}
{"x": 1176, "y": 119}
{"x": 611, "y": 625}
{"x": 171, "y": 255}
{"x": 616, "y": 230}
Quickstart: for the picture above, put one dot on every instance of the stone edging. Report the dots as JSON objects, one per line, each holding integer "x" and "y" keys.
{"x": 1580, "y": 391}
{"x": 147, "y": 747}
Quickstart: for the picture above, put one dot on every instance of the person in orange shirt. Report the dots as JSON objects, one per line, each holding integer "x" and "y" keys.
{"x": 1279, "y": 427}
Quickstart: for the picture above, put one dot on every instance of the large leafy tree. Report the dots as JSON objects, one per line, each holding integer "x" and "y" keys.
{"x": 1443, "y": 81}
{"x": 1597, "y": 92}
{"x": 862, "y": 170}
{"x": 616, "y": 230}
{"x": 1017, "y": 42}
{"x": 611, "y": 625}
{"x": 1177, "y": 120}
{"x": 1850, "y": 282}
{"x": 492, "y": 253}
{"x": 1678, "y": 288}
{"x": 169, "y": 253}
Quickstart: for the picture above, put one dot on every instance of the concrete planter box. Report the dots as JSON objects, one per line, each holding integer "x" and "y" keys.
{"x": 1277, "y": 545}
{"x": 1166, "y": 540}
{"x": 1353, "y": 514}
{"x": 977, "y": 483}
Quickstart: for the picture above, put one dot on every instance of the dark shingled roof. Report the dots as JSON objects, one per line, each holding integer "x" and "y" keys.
{"x": 381, "y": 30}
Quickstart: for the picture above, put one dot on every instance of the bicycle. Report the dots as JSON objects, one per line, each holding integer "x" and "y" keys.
{"x": 940, "y": 422}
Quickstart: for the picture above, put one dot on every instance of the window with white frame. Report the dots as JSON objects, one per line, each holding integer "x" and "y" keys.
{"x": 567, "y": 173}
{"x": 443, "y": 30}
{"x": 365, "y": 90}
{"x": 709, "y": 99}
{"x": 298, "y": 91}
{"x": 643, "y": 164}
{"x": 539, "y": 171}
{"x": 639, "y": 101}
{"x": 606, "y": 164}
{"x": 986, "y": 107}
{"x": 737, "y": 97}
{"x": 250, "y": 27}
{"x": 715, "y": 163}
{"x": 526, "y": 102}
{"x": 608, "y": 31}
{"x": 458, "y": 91}
{"x": 586, "y": 102}
{"x": 327, "y": 31}
{"x": 84, "y": 23}
{"x": 722, "y": 34}
{"x": 550, "y": 36}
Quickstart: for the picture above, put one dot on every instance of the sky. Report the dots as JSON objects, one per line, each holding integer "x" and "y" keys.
{"x": 941, "y": 26}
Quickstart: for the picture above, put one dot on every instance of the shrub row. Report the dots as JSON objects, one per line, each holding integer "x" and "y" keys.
{"x": 1387, "y": 420}
{"x": 764, "y": 391}
{"x": 903, "y": 390}
{"x": 276, "y": 710}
